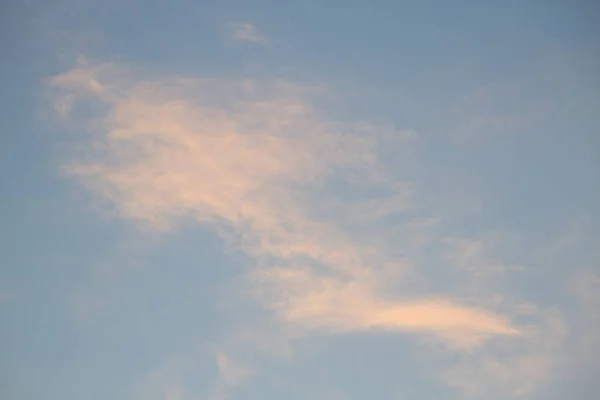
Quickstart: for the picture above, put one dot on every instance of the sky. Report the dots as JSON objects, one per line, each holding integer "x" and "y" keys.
{"x": 324, "y": 200}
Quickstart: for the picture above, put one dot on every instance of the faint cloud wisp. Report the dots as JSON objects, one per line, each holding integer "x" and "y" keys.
{"x": 245, "y": 31}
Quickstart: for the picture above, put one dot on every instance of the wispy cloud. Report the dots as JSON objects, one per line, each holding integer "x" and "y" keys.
{"x": 164, "y": 156}
{"x": 512, "y": 369}
{"x": 331, "y": 304}
{"x": 279, "y": 180}
{"x": 246, "y": 31}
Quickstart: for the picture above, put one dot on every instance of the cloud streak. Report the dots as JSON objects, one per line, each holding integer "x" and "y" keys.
{"x": 329, "y": 304}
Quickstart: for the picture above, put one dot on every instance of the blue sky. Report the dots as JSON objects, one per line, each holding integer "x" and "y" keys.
{"x": 302, "y": 200}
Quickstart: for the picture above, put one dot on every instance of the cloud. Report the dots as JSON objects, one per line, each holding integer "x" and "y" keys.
{"x": 231, "y": 372}
{"x": 330, "y": 304}
{"x": 276, "y": 179}
{"x": 515, "y": 368}
{"x": 246, "y": 351}
{"x": 246, "y": 31}
{"x": 164, "y": 157}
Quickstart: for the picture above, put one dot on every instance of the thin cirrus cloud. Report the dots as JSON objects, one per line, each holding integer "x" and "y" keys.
{"x": 256, "y": 160}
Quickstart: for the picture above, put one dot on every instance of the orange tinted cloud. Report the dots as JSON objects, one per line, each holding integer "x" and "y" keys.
{"x": 246, "y": 156}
